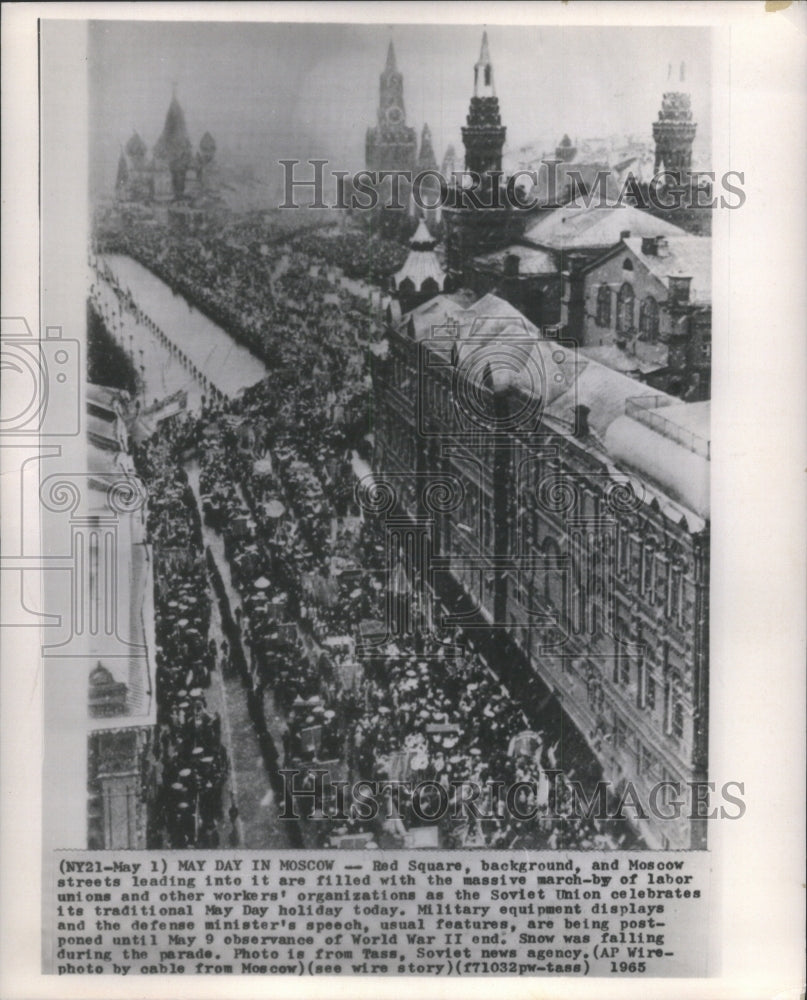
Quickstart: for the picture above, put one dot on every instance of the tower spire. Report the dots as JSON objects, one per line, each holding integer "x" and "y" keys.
{"x": 392, "y": 144}
{"x": 484, "y": 54}
{"x": 483, "y": 133}
{"x": 483, "y": 71}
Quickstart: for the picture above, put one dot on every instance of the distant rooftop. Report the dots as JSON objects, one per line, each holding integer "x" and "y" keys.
{"x": 680, "y": 256}
{"x": 531, "y": 260}
{"x": 663, "y": 441}
{"x": 596, "y": 227}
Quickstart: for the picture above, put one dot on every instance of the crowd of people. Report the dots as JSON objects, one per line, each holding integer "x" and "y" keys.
{"x": 371, "y": 259}
{"x": 191, "y": 760}
{"x": 277, "y": 482}
{"x": 267, "y": 295}
{"x": 407, "y": 711}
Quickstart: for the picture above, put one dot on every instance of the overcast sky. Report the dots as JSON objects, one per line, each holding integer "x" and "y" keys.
{"x": 270, "y": 91}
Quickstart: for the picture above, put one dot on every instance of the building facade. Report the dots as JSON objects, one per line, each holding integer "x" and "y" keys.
{"x": 100, "y": 656}
{"x": 645, "y": 308}
{"x": 574, "y": 515}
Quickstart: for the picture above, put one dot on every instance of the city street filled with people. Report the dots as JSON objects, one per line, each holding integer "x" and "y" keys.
{"x": 252, "y": 499}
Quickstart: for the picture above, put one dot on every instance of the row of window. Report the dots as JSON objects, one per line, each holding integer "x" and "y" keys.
{"x": 658, "y": 577}
{"x": 624, "y": 736}
{"x": 626, "y": 311}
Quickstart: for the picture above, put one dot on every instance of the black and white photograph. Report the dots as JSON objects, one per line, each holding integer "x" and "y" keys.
{"x": 365, "y": 436}
{"x": 425, "y": 489}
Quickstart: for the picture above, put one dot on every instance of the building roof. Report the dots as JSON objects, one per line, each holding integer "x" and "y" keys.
{"x": 135, "y": 146}
{"x": 458, "y": 313}
{"x": 576, "y": 227}
{"x": 692, "y": 417}
{"x": 104, "y": 432}
{"x": 107, "y": 396}
{"x": 422, "y": 262}
{"x": 680, "y": 256}
{"x": 107, "y": 468}
{"x": 639, "y": 363}
{"x": 558, "y": 179}
{"x": 633, "y": 428}
{"x": 680, "y": 471}
{"x": 531, "y": 259}
{"x": 174, "y": 137}
{"x": 422, "y": 238}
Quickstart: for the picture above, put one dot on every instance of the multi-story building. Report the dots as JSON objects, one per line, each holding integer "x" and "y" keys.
{"x": 645, "y": 308}
{"x": 571, "y": 505}
{"x": 100, "y": 694}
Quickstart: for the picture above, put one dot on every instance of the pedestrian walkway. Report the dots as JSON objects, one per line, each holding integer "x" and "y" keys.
{"x": 228, "y": 365}
{"x": 258, "y": 825}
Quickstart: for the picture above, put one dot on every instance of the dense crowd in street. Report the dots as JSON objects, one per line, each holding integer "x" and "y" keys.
{"x": 357, "y": 255}
{"x": 266, "y": 295}
{"x": 191, "y": 759}
{"x": 278, "y": 467}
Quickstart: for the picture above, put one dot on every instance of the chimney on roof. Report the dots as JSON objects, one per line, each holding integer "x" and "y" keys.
{"x": 512, "y": 264}
{"x": 625, "y": 234}
{"x": 581, "y": 428}
{"x": 655, "y": 246}
{"x": 679, "y": 289}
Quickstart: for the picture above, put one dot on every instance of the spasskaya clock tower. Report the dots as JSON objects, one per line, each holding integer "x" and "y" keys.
{"x": 391, "y": 144}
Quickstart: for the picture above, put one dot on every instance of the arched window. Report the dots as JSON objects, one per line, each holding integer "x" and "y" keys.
{"x": 628, "y": 265}
{"x": 430, "y": 287}
{"x": 624, "y": 308}
{"x": 648, "y": 319}
{"x": 604, "y": 306}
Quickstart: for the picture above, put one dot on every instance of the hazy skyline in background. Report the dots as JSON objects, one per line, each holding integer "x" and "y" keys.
{"x": 268, "y": 91}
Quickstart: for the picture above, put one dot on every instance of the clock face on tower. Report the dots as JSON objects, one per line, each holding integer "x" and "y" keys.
{"x": 394, "y": 115}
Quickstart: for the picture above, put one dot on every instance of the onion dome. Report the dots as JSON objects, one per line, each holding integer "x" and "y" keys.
{"x": 207, "y": 148}
{"x": 174, "y": 139}
{"x": 135, "y": 147}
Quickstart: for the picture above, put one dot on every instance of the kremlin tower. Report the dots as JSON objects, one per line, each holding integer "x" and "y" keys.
{"x": 392, "y": 144}
{"x": 486, "y": 222}
{"x": 674, "y": 133}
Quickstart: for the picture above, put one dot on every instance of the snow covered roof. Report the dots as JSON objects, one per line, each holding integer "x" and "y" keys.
{"x": 632, "y": 427}
{"x": 647, "y": 358}
{"x": 422, "y": 238}
{"x": 422, "y": 263}
{"x": 683, "y": 473}
{"x": 419, "y": 266}
{"x": 680, "y": 256}
{"x": 575, "y": 227}
{"x": 456, "y": 314}
{"x": 106, "y": 395}
{"x": 531, "y": 260}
